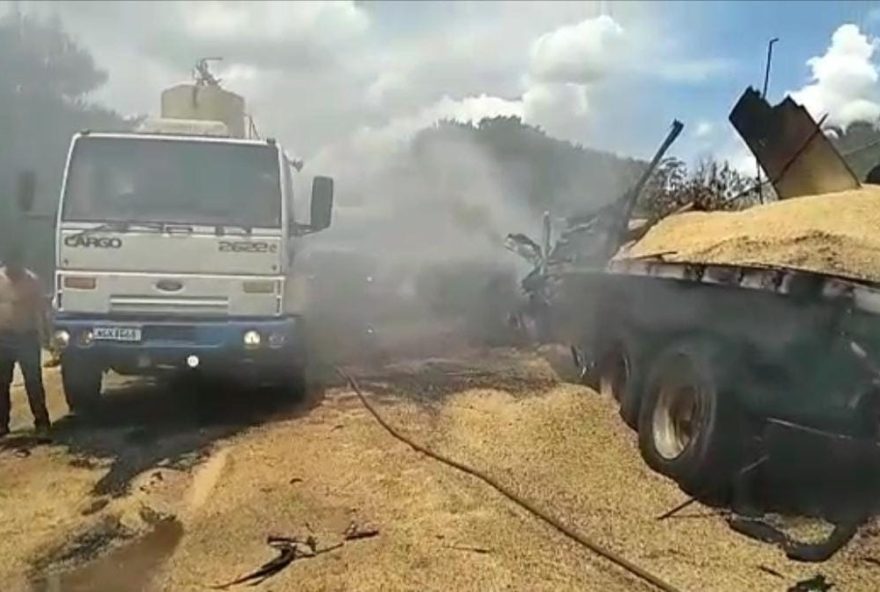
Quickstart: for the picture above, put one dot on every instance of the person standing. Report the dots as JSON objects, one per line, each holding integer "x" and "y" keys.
{"x": 24, "y": 326}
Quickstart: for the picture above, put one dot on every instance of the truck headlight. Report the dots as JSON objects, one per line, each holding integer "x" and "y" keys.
{"x": 86, "y": 338}
{"x": 61, "y": 339}
{"x": 252, "y": 339}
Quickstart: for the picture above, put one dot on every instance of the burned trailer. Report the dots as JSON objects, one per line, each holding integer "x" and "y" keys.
{"x": 715, "y": 362}
{"x": 702, "y": 359}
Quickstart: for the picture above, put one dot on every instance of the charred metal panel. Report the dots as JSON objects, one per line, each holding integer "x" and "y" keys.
{"x": 791, "y": 147}
{"x": 791, "y": 282}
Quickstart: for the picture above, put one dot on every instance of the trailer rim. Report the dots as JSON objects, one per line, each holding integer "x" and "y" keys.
{"x": 675, "y": 419}
{"x": 615, "y": 373}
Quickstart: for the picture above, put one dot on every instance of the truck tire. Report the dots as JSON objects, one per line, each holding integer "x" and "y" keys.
{"x": 620, "y": 375}
{"x": 689, "y": 422}
{"x": 297, "y": 385}
{"x": 82, "y": 386}
{"x": 293, "y": 385}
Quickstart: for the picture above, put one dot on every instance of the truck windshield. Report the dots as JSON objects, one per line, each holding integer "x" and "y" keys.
{"x": 162, "y": 180}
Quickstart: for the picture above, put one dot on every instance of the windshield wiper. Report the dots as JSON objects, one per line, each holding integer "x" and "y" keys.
{"x": 123, "y": 226}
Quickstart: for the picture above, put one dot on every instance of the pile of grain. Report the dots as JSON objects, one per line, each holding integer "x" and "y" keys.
{"x": 835, "y": 233}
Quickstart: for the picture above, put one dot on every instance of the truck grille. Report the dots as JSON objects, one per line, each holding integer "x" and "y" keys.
{"x": 152, "y": 305}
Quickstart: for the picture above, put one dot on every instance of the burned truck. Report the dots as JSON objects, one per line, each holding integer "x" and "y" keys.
{"x": 711, "y": 358}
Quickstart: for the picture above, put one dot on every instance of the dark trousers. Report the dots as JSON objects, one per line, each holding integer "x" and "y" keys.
{"x": 24, "y": 349}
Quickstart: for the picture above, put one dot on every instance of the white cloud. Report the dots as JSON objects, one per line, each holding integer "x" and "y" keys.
{"x": 564, "y": 64}
{"x": 271, "y": 26}
{"x": 704, "y": 128}
{"x": 316, "y": 73}
{"x": 844, "y": 80}
{"x": 580, "y": 53}
{"x": 302, "y": 66}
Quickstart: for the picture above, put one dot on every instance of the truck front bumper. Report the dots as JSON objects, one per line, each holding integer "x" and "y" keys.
{"x": 206, "y": 344}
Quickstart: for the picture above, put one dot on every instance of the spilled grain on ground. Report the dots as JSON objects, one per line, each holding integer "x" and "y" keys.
{"x": 561, "y": 446}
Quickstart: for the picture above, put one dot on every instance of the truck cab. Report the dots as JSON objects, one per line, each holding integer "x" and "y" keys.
{"x": 175, "y": 250}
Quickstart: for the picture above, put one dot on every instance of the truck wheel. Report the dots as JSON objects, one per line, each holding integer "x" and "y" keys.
{"x": 688, "y": 422}
{"x": 294, "y": 384}
{"x": 620, "y": 376}
{"x": 82, "y": 386}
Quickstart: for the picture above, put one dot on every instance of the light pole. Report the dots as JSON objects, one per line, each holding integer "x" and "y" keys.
{"x": 767, "y": 66}
{"x": 764, "y": 96}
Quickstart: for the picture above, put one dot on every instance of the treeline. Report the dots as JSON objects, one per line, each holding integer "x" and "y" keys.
{"x": 535, "y": 170}
{"x": 544, "y": 173}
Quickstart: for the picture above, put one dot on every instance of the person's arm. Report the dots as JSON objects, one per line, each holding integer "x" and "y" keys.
{"x": 43, "y": 312}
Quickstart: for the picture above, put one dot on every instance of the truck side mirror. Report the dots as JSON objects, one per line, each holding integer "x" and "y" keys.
{"x": 322, "y": 203}
{"x": 27, "y": 183}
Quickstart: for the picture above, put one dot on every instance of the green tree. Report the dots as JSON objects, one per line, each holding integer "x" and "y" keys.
{"x": 535, "y": 170}
{"x": 710, "y": 185}
{"x": 45, "y": 82}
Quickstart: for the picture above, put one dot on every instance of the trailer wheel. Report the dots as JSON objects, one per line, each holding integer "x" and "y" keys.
{"x": 688, "y": 422}
{"x": 82, "y": 386}
{"x": 619, "y": 376}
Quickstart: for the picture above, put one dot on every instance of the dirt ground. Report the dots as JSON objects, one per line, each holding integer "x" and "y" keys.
{"x": 177, "y": 489}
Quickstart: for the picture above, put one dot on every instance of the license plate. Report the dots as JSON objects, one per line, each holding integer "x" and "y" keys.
{"x": 117, "y": 333}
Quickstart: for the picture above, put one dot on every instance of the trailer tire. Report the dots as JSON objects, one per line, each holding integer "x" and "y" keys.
{"x": 689, "y": 422}
{"x": 82, "y": 386}
{"x": 619, "y": 375}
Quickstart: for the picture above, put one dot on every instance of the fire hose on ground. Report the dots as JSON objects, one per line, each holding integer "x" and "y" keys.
{"x": 577, "y": 537}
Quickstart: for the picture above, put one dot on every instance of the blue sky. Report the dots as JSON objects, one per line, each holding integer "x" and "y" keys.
{"x": 736, "y": 33}
{"x": 633, "y": 110}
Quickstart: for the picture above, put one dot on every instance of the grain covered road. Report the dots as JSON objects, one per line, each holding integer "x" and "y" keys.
{"x": 176, "y": 488}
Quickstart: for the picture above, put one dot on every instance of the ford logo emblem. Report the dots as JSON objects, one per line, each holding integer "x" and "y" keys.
{"x": 169, "y": 285}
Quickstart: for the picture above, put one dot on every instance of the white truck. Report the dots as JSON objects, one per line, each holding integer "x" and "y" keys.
{"x": 175, "y": 248}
